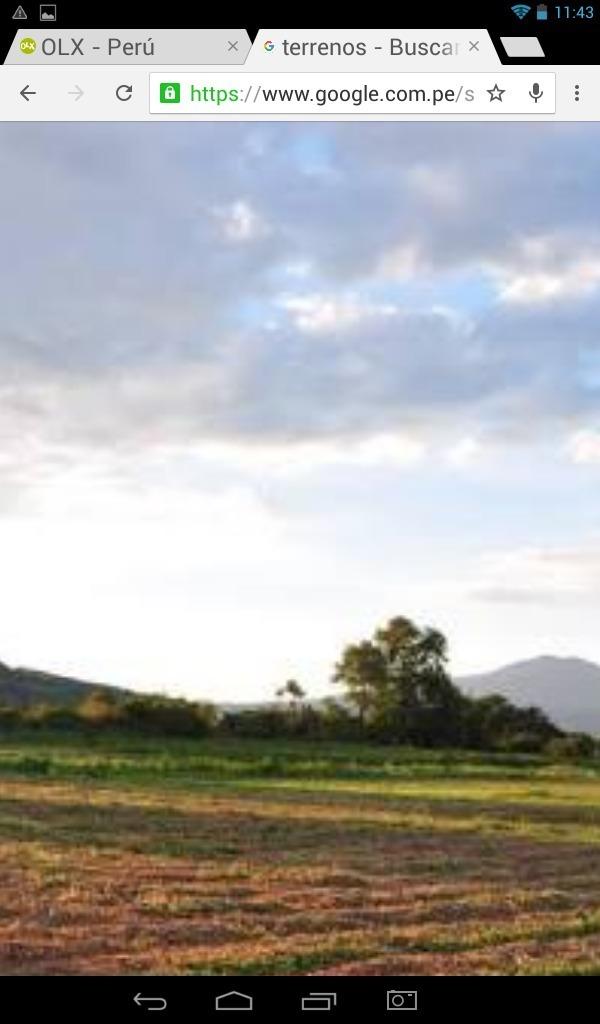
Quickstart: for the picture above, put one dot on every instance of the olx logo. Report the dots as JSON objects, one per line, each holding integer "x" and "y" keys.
{"x": 54, "y": 47}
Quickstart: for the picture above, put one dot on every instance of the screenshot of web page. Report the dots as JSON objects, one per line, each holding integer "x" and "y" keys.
{"x": 299, "y": 513}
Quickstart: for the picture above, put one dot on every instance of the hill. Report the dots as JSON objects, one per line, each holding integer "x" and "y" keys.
{"x": 567, "y": 689}
{"x": 22, "y": 687}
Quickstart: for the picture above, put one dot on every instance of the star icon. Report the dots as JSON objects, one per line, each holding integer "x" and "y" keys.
{"x": 496, "y": 93}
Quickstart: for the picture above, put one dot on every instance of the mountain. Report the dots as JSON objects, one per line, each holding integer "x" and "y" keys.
{"x": 21, "y": 687}
{"x": 567, "y": 689}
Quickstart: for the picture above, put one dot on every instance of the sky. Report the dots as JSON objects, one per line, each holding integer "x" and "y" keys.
{"x": 264, "y": 386}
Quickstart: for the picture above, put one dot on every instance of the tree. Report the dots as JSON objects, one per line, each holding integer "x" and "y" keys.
{"x": 399, "y": 686}
{"x": 336, "y": 721}
{"x": 168, "y": 716}
{"x": 292, "y": 691}
{"x": 99, "y": 708}
{"x": 298, "y": 718}
{"x": 577, "y": 746}
{"x": 259, "y": 723}
{"x": 492, "y": 722}
{"x": 362, "y": 672}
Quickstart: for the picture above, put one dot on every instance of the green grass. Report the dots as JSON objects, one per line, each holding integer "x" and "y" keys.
{"x": 106, "y": 755}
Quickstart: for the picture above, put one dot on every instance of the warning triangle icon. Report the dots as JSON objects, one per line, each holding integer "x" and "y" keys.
{"x": 19, "y": 15}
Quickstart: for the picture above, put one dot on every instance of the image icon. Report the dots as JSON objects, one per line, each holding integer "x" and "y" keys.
{"x": 399, "y": 1000}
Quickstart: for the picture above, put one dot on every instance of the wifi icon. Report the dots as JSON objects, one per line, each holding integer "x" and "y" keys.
{"x": 520, "y": 10}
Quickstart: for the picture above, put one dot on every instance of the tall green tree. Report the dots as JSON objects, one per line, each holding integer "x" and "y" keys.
{"x": 399, "y": 686}
{"x": 362, "y": 672}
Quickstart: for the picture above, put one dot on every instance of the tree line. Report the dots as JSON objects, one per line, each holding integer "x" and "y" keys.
{"x": 394, "y": 688}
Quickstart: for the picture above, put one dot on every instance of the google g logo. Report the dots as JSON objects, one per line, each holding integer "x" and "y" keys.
{"x": 269, "y": 45}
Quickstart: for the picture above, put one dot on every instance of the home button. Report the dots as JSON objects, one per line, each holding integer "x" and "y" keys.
{"x": 233, "y": 1001}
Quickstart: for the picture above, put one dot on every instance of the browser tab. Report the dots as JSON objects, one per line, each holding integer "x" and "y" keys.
{"x": 285, "y": 50}
{"x": 165, "y": 46}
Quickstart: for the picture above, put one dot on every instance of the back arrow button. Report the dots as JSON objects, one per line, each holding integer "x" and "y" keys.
{"x": 154, "y": 1002}
{"x": 26, "y": 92}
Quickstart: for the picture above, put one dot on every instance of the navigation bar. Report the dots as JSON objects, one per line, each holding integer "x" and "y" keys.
{"x": 143, "y": 94}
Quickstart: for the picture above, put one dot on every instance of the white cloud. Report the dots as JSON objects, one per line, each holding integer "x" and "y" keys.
{"x": 546, "y": 268}
{"x": 580, "y": 278}
{"x": 186, "y": 337}
{"x": 240, "y": 221}
{"x": 464, "y": 453}
{"x": 401, "y": 262}
{"x": 290, "y": 460}
{"x": 443, "y": 186}
{"x": 583, "y": 447}
{"x": 541, "y": 574}
{"x": 325, "y": 313}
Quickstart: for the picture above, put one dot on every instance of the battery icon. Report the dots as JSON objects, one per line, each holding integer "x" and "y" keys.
{"x": 541, "y": 12}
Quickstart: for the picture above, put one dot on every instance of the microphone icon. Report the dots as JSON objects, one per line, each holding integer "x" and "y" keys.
{"x": 536, "y": 92}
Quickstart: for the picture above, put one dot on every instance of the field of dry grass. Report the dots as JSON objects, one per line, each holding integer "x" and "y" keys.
{"x": 126, "y": 858}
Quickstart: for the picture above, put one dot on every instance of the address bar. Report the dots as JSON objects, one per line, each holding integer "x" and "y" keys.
{"x": 308, "y": 93}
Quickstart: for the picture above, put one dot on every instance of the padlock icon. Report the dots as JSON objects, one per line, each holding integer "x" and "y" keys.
{"x": 170, "y": 92}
